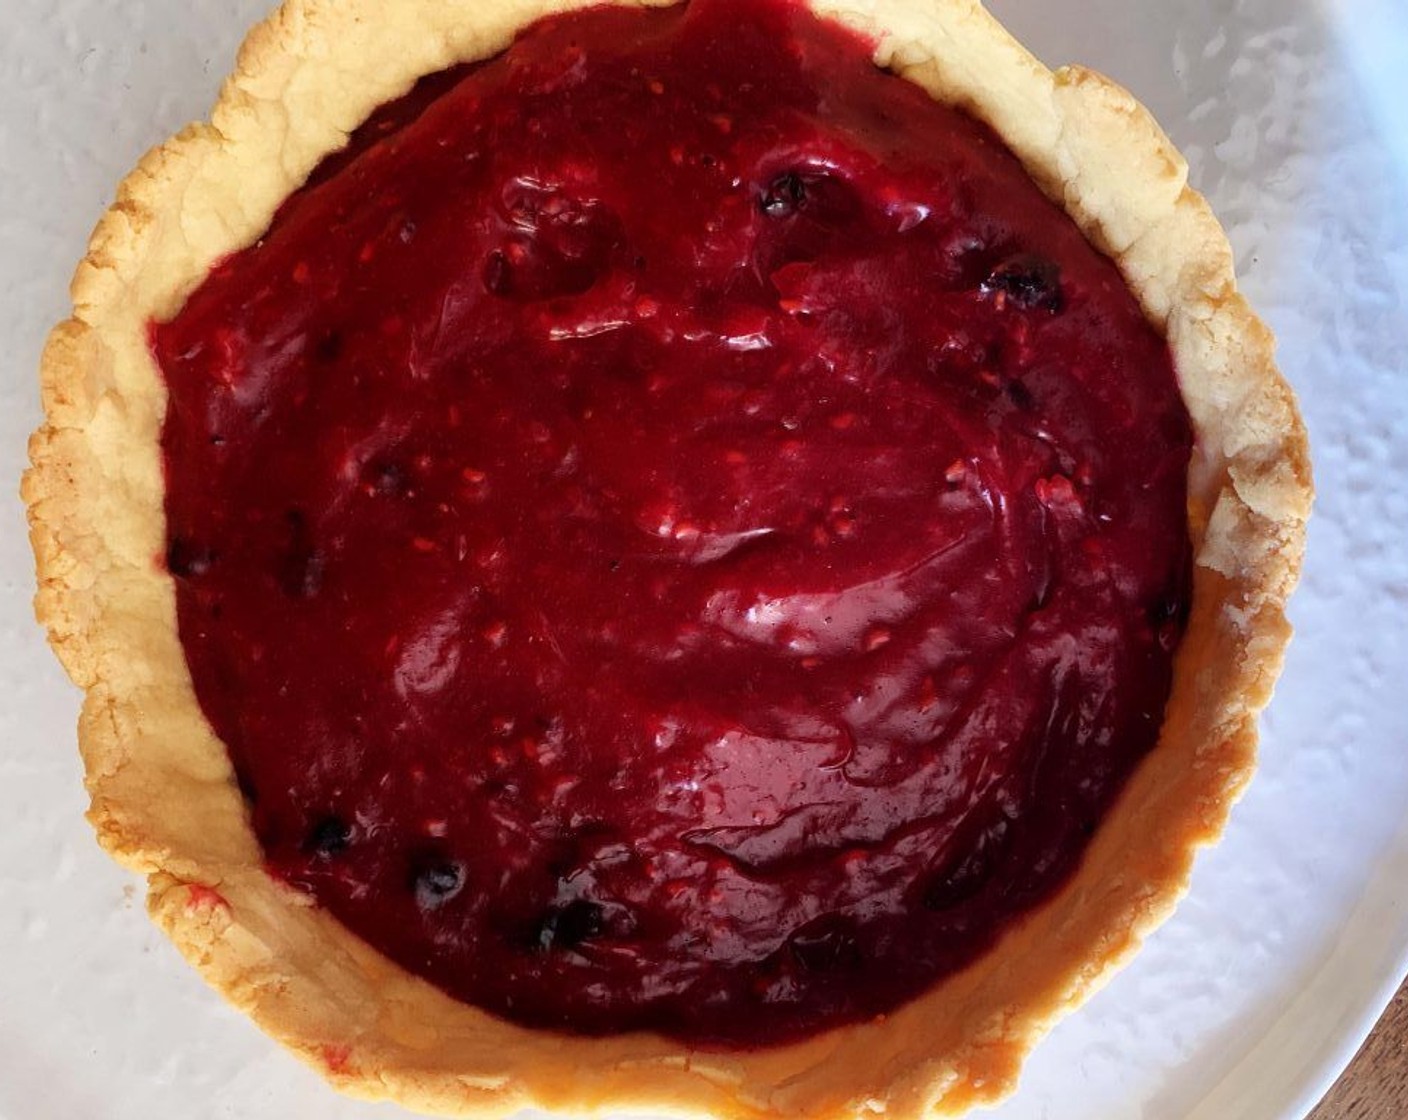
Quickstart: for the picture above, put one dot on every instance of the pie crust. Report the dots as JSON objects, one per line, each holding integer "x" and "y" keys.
{"x": 164, "y": 800}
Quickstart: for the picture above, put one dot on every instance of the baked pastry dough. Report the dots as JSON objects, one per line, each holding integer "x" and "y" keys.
{"x": 163, "y": 796}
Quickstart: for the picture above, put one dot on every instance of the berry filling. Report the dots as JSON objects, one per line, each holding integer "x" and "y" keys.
{"x": 675, "y": 530}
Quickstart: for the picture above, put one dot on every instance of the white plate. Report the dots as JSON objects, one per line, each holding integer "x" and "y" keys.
{"x": 1294, "y": 115}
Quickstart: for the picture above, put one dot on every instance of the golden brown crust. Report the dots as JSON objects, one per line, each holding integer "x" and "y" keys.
{"x": 163, "y": 798}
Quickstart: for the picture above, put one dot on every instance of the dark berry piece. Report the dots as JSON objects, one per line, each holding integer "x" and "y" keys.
{"x": 826, "y": 945}
{"x": 1028, "y": 281}
{"x": 329, "y": 837}
{"x": 300, "y": 570}
{"x": 498, "y": 279}
{"x": 1020, "y": 395}
{"x": 567, "y": 926}
{"x": 1167, "y": 608}
{"x": 301, "y": 574}
{"x": 784, "y": 195}
{"x": 187, "y": 560}
{"x": 328, "y": 348}
{"x": 387, "y": 479}
{"x": 436, "y": 882}
{"x": 1167, "y": 617}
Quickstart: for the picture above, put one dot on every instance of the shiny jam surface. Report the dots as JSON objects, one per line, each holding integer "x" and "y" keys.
{"x": 675, "y": 530}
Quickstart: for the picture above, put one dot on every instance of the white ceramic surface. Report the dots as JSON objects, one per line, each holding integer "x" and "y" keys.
{"x": 1294, "y": 115}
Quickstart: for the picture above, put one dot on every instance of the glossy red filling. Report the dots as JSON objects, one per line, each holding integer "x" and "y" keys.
{"x": 675, "y": 530}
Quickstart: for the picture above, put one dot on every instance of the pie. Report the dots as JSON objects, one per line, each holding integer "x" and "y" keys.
{"x": 631, "y": 558}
